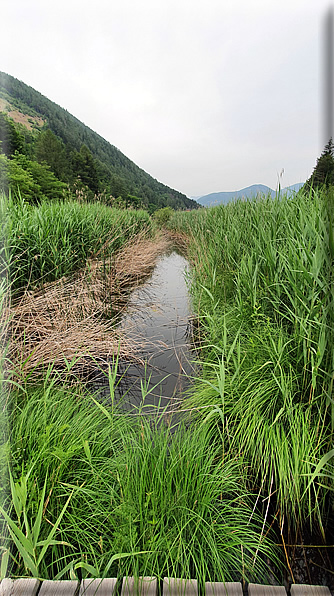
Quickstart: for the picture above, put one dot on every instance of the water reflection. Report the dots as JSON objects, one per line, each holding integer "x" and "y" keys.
{"x": 157, "y": 318}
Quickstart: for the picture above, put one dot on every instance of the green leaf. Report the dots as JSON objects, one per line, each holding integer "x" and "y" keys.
{"x": 53, "y": 542}
{"x": 87, "y": 450}
{"x": 208, "y": 292}
{"x": 278, "y": 416}
{"x": 329, "y": 455}
{"x": 26, "y": 544}
{"x": 4, "y": 564}
{"x": 15, "y": 497}
{"x": 28, "y": 561}
{"x": 53, "y": 531}
{"x": 121, "y": 556}
{"x": 93, "y": 571}
{"x": 37, "y": 524}
{"x": 103, "y": 409}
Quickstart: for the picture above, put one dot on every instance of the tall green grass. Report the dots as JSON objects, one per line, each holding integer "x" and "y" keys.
{"x": 55, "y": 238}
{"x": 181, "y": 503}
{"x": 262, "y": 285}
{"x": 125, "y": 484}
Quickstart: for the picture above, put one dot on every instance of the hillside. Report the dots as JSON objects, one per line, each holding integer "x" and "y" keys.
{"x": 215, "y": 198}
{"x": 85, "y": 154}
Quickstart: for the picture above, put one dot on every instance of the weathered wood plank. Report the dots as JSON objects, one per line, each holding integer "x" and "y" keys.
{"x": 259, "y": 590}
{"x": 58, "y": 588}
{"x": 98, "y": 587}
{"x": 223, "y": 589}
{"x": 139, "y": 586}
{"x": 179, "y": 587}
{"x": 25, "y": 586}
{"x": 304, "y": 590}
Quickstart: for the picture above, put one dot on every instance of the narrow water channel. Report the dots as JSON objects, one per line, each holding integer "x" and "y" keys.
{"x": 157, "y": 319}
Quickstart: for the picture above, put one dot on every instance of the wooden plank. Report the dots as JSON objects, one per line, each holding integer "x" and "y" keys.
{"x": 259, "y": 590}
{"x": 25, "y": 586}
{"x": 139, "y": 586}
{"x": 58, "y": 588}
{"x": 223, "y": 589}
{"x": 98, "y": 587}
{"x": 179, "y": 587}
{"x": 304, "y": 590}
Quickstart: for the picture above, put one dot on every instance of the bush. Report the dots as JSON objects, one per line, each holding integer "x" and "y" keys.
{"x": 162, "y": 216}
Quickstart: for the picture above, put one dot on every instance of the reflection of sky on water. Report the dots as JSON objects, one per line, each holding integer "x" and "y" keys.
{"x": 157, "y": 318}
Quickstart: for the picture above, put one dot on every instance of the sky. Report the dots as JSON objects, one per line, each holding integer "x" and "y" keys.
{"x": 204, "y": 95}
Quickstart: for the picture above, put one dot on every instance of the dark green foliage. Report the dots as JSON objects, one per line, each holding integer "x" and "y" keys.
{"x": 32, "y": 180}
{"x": 15, "y": 178}
{"x": 163, "y": 215}
{"x": 323, "y": 173}
{"x": 10, "y": 139}
{"x": 52, "y": 151}
{"x": 84, "y": 167}
{"x": 46, "y": 185}
{"x": 134, "y": 202}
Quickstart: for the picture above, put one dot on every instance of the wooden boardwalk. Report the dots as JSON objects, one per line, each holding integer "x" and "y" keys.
{"x": 146, "y": 586}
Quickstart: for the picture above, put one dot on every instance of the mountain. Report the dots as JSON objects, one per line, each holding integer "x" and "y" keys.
{"x": 216, "y": 198}
{"x": 86, "y": 155}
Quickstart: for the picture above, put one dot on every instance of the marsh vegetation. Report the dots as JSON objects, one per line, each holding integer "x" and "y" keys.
{"x": 247, "y": 470}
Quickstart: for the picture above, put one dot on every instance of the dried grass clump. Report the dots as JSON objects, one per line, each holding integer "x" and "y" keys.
{"x": 69, "y": 320}
{"x": 180, "y": 241}
{"x": 137, "y": 260}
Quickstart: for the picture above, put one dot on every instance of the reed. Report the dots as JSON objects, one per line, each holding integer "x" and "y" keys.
{"x": 262, "y": 285}
{"x": 73, "y": 319}
{"x": 54, "y": 239}
{"x": 69, "y": 281}
{"x": 127, "y": 484}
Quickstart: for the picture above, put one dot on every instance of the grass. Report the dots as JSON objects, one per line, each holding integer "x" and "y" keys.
{"x": 87, "y": 484}
{"x": 56, "y": 238}
{"x": 262, "y": 285}
{"x": 120, "y": 484}
{"x": 123, "y": 493}
{"x": 69, "y": 280}
{"x": 73, "y": 319}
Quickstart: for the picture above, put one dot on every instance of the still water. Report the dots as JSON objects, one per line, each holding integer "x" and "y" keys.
{"x": 157, "y": 319}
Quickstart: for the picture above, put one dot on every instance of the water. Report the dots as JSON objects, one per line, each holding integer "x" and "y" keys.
{"x": 157, "y": 319}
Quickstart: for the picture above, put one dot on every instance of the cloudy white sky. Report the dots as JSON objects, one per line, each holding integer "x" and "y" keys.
{"x": 205, "y": 95}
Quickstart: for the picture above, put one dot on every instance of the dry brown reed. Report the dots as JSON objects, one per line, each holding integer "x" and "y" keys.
{"x": 138, "y": 258}
{"x": 70, "y": 320}
{"x": 180, "y": 241}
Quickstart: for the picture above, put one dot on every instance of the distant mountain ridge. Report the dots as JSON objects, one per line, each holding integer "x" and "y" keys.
{"x": 216, "y": 198}
{"x": 117, "y": 174}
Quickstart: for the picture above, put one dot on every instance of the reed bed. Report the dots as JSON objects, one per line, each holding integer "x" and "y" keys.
{"x": 54, "y": 239}
{"x": 111, "y": 484}
{"x": 262, "y": 285}
{"x": 74, "y": 318}
{"x": 92, "y": 489}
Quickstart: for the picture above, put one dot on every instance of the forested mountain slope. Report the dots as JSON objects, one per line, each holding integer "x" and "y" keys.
{"x": 51, "y": 135}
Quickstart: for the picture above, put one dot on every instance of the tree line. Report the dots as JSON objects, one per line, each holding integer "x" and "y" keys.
{"x": 74, "y": 154}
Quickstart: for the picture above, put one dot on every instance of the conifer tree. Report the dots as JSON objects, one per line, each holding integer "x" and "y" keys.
{"x": 323, "y": 173}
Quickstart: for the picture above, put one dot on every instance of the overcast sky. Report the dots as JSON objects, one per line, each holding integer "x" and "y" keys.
{"x": 204, "y": 95}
